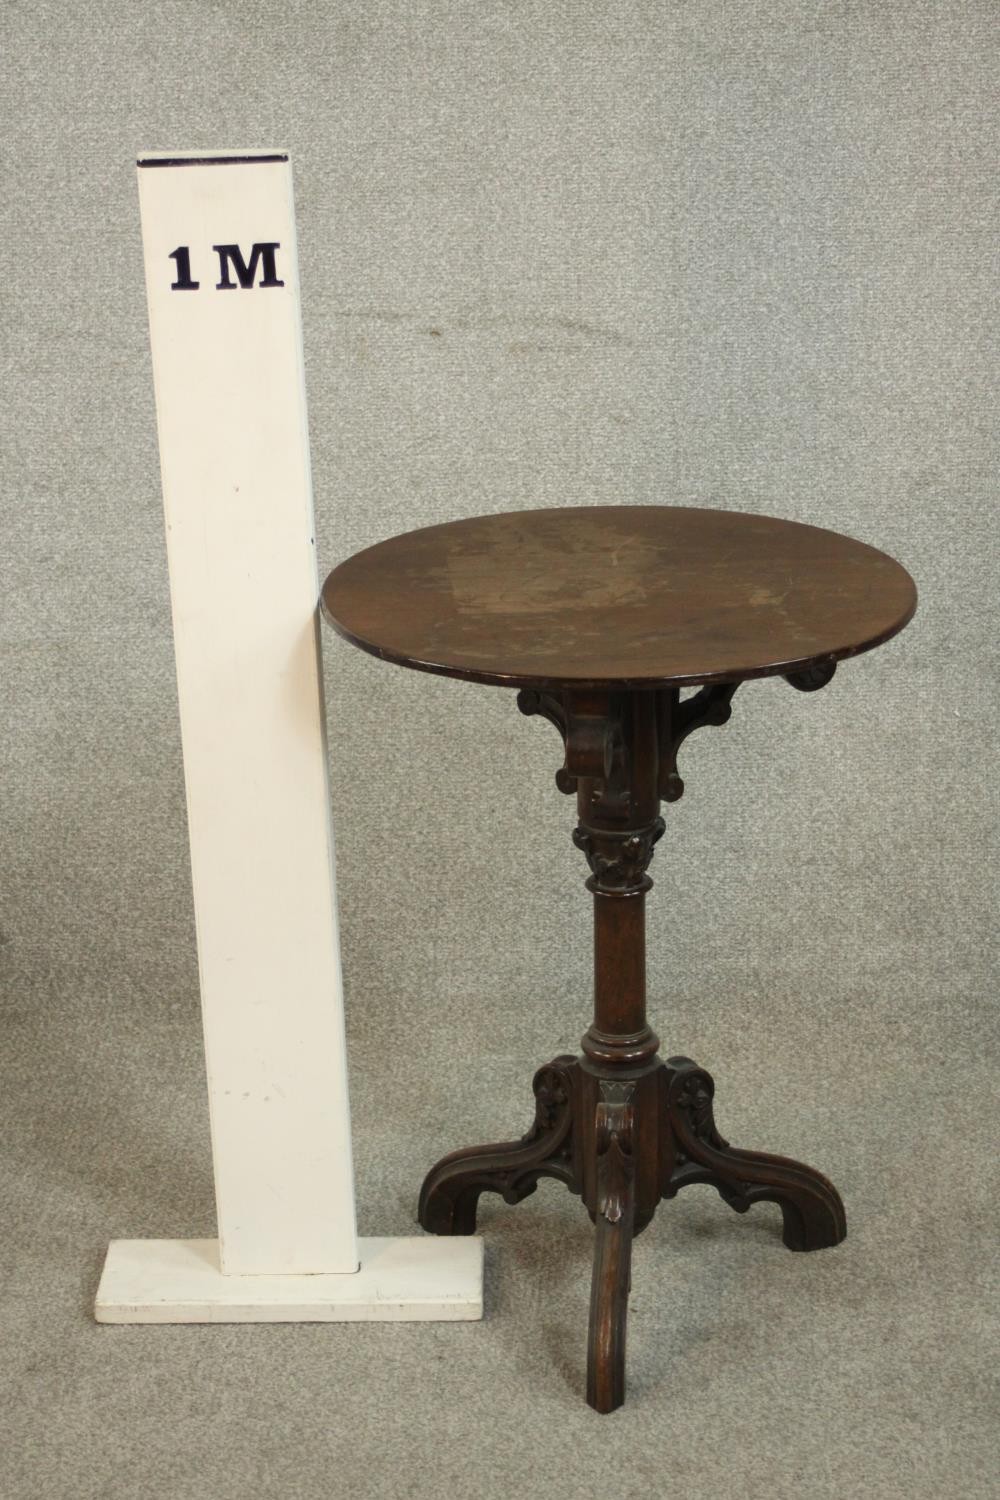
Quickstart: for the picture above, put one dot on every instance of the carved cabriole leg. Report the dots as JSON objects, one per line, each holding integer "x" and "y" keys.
{"x": 811, "y": 1208}
{"x": 450, "y": 1194}
{"x": 613, "y": 1248}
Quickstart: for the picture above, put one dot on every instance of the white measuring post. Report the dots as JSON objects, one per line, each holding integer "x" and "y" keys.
{"x": 225, "y": 328}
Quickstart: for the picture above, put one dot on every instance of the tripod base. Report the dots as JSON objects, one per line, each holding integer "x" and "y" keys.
{"x": 622, "y": 1140}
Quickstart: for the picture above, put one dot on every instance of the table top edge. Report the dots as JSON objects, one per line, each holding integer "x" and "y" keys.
{"x": 630, "y": 684}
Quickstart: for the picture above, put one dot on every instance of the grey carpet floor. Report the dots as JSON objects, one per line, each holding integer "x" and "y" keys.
{"x": 864, "y": 1370}
{"x": 867, "y": 1370}
{"x": 725, "y": 254}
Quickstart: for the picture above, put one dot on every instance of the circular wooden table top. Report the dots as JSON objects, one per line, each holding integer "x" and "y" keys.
{"x": 636, "y": 596}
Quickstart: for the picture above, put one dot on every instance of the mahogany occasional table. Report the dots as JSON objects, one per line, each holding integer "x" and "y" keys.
{"x": 600, "y": 616}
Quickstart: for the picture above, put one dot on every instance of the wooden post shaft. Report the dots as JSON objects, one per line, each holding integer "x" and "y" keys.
{"x": 620, "y": 1036}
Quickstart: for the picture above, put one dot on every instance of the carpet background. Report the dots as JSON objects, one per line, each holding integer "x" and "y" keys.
{"x": 720, "y": 254}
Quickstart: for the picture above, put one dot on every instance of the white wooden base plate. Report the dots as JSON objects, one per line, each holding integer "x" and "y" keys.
{"x": 179, "y": 1281}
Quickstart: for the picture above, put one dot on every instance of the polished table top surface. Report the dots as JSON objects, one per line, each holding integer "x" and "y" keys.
{"x": 625, "y": 596}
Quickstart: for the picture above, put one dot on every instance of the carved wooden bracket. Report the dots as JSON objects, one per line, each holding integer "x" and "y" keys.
{"x": 710, "y": 705}
{"x": 592, "y": 740}
{"x": 591, "y": 727}
{"x": 592, "y": 732}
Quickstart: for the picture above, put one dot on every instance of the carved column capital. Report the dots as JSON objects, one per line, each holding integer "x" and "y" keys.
{"x": 618, "y": 861}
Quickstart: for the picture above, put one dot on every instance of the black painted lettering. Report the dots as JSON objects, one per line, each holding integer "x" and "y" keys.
{"x": 182, "y": 256}
{"x": 231, "y": 256}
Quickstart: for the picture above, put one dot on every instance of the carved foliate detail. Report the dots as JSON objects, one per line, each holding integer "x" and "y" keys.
{"x": 693, "y": 1099}
{"x": 551, "y": 1096}
{"x": 615, "y": 1223}
{"x": 618, "y": 861}
{"x": 615, "y": 1125}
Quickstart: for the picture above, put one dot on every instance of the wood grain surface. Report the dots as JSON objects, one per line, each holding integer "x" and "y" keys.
{"x": 630, "y": 596}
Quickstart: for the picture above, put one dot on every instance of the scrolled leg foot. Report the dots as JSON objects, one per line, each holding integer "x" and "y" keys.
{"x": 613, "y": 1249}
{"x": 450, "y": 1194}
{"x": 812, "y": 1212}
